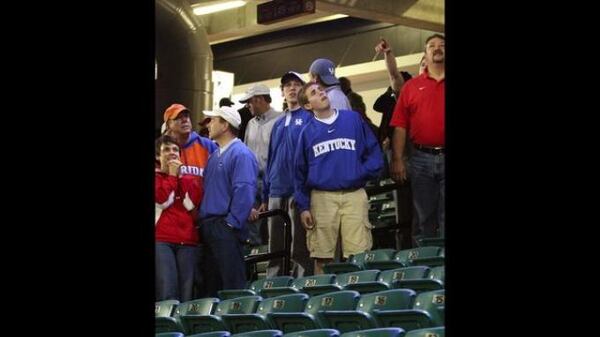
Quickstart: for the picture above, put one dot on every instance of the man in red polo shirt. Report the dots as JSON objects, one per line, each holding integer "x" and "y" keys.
{"x": 420, "y": 110}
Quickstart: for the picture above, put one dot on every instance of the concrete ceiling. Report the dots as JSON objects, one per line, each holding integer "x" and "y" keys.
{"x": 239, "y": 23}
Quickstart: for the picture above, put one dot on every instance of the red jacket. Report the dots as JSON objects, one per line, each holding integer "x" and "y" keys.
{"x": 176, "y": 198}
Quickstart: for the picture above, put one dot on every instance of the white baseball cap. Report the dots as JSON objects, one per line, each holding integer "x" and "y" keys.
{"x": 230, "y": 114}
{"x": 255, "y": 90}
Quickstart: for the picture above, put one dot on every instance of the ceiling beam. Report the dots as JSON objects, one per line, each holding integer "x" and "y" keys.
{"x": 421, "y": 14}
{"x": 241, "y": 22}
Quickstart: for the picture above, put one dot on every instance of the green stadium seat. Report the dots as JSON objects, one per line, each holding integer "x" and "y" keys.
{"x": 237, "y": 323}
{"x": 407, "y": 256}
{"x": 378, "y": 332}
{"x": 428, "y": 332}
{"x": 165, "y": 320}
{"x": 425, "y": 313}
{"x": 256, "y": 287}
{"x": 203, "y": 306}
{"x": 302, "y": 284}
{"x": 364, "y": 281}
{"x": 261, "y": 333}
{"x": 382, "y": 259}
{"x": 211, "y": 334}
{"x": 419, "y": 283}
{"x": 431, "y": 261}
{"x": 362, "y": 318}
{"x": 194, "y": 324}
{"x": 310, "y": 319}
{"x": 314, "y": 333}
{"x": 355, "y": 262}
{"x": 165, "y": 308}
{"x": 169, "y": 334}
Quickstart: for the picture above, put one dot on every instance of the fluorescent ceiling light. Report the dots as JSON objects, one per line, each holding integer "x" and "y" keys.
{"x": 202, "y": 10}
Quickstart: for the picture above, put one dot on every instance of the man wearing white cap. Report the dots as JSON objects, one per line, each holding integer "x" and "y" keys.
{"x": 322, "y": 72}
{"x": 230, "y": 189}
{"x": 257, "y": 137}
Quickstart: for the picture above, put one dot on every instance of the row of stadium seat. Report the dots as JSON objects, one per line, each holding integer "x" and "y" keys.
{"x": 378, "y": 332}
{"x": 343, "y": 310}
{"x": 418, "y": 278}
{"x": 385, "y": 259}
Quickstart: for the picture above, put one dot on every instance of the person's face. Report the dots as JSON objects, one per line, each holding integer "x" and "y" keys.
{"x": 317, "y": 98}
{"x": 313, "y": 77}
{"x": 290, "y": 91}
{"x": 435, "y": 50}
{"x": 182, "y": 124}
{"x": 422, "y": 65}
{"x": 257, "y": 105}
{"x": 216, "y": 127}
{"x": 168, "y": 152}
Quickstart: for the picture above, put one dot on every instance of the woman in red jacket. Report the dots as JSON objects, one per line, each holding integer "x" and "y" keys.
{"x": 176, "y": 196}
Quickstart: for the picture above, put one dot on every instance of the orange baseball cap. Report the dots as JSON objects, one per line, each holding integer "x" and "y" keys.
{"x": 173, "y": 111}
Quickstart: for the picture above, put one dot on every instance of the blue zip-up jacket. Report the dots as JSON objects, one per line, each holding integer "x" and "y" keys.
{"x": 278, "y": 180}
{"x": 230, "y": 185}
{"x": 343, "y": 155}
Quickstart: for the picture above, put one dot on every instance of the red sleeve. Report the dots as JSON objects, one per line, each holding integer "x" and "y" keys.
{"x": 400, "y": 115}
{"x": 191, "y": 191}
{"x": 164, "y": 187}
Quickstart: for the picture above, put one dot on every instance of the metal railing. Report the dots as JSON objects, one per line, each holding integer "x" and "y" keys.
{"x": 287, "y": 235}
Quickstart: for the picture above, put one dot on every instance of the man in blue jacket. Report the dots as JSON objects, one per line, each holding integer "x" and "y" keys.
{"x": 336, "y": 155}
{"x": 279, "y": 180}
{"x": 229, "y": 192}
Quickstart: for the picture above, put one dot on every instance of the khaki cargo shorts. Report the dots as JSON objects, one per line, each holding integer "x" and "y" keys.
{"x": 335, "y": 213}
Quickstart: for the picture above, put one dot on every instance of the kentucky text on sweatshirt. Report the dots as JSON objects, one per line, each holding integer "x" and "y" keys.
{"x": 338, "y": 156}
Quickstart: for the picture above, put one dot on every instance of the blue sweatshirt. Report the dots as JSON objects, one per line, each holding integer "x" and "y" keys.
{"x": 343, "y": 155}
{"x": 279, "y": 178}
{"x": 230, "y": 184}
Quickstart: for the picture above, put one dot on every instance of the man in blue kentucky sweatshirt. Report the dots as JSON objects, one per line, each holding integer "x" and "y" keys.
{"x": 336, "y": 155}
{"x": 229, "y": 192}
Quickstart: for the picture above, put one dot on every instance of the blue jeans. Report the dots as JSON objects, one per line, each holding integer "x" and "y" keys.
{"x": 175, "y": 270}
{"x": 427, "y": 178}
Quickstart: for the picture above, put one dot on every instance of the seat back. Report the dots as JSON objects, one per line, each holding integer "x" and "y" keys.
{"x": 202, "y": 306}
{"x": 357, "y": 277}
{"x": 427, "y": 332}
{"x": 169, "y": 334}
{"x": 395, "y": 299}
{"x": 437, "y": 273}
{"x": 406, "y": 256}
{"x": 279, "y": 281}
{"x": 406, "y": 273}
{"x": 165, "y": 308}
{"x": 240, "y": 305}
{"x": 314, "y": 333}
{"x": 283, "y": 303}
{"x": 261, "y": 333}
{"x": 211, "y": 334}
{"x": 433, "y": 303}
{"x": 339, "y": 300}
{"x": 315, "y": 280}
{"x": 379, "y": 332}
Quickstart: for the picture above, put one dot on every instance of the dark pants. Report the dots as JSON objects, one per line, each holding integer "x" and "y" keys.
{"x": 427, "y": 178}
{"x": 302, "y": 264}
{"x": 224, "y": 266}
